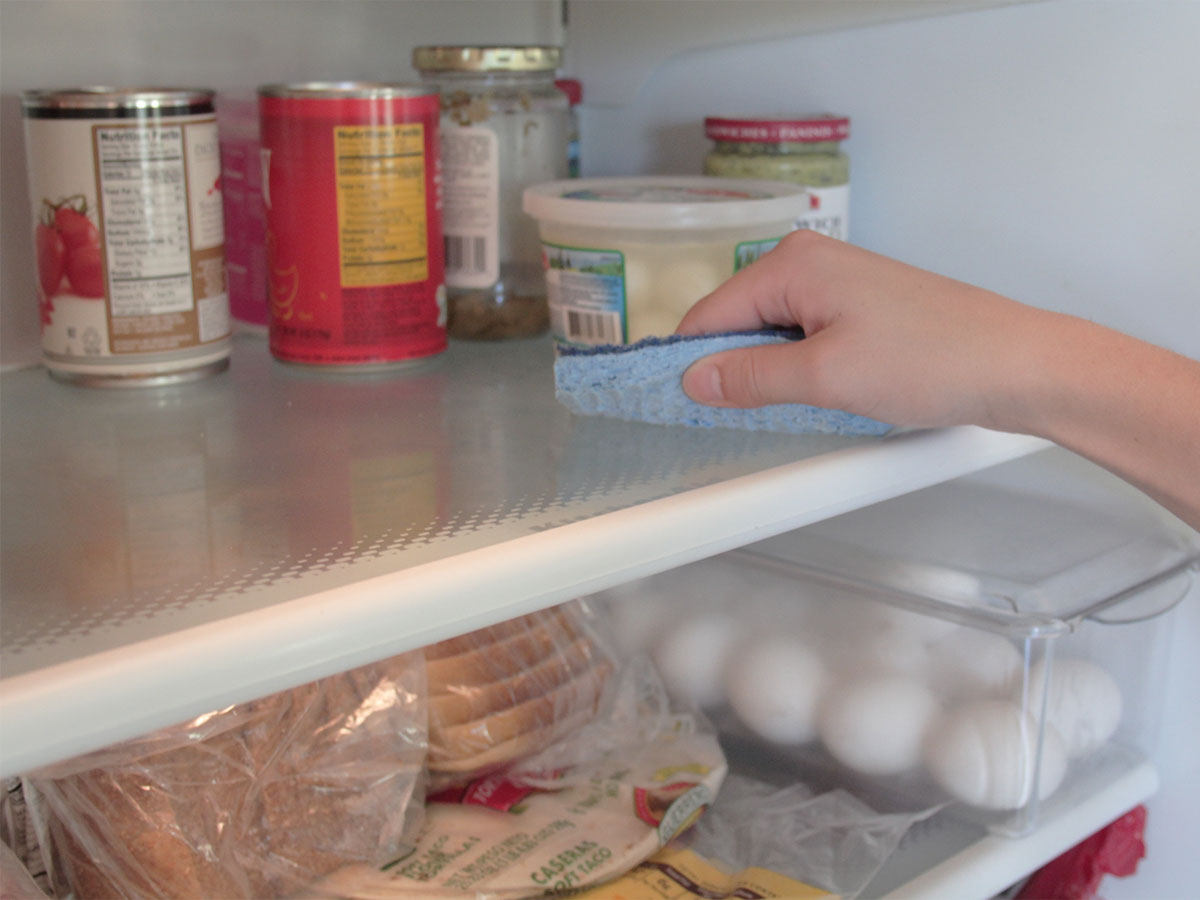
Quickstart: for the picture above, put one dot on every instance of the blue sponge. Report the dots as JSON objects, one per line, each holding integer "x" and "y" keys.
{"x": 641, "y": 383}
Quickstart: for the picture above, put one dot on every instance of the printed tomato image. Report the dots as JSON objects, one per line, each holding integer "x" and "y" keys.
{"x": 51, "y": 258}
{"x": 85, "y": 271}
{"x": 76, "y": 228}
{"x": 67, "y": 243}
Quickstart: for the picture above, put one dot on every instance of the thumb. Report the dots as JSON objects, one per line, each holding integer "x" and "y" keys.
{"x": 755, "y": 376}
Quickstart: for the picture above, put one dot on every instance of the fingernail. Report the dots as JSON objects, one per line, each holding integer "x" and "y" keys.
{"x": 703, "y": 383}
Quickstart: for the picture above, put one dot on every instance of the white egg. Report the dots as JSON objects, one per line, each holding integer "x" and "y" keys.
{"x": 972, "y": 664}
{"x": 774, "y": 685}
{"x": 875, "y": 725}
{"x": 917, "y": 626}
{"x": 882, "y": 650}
{"x": 691, "y": 657}
{"x": 1082, "y": 702}
{"x": 985, "y": 754}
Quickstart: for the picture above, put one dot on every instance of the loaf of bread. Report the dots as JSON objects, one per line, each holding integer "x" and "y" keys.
{"x": 501, "y": 693}
{"x": 256, "y": 800}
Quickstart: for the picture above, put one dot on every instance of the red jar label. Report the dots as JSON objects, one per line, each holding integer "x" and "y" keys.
{"x": 354, "y": 236}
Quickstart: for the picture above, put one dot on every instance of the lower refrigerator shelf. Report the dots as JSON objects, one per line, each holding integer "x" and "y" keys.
{"x": 942, "y": 858}
{"x": 951, "y": 853}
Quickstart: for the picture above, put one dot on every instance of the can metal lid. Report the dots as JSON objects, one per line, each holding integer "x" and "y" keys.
{"x": 341, "y": 90}
{"x": 112, "y": 100}
{"x": 487, "y": 58}
{"x": 665, "y": 202}
{"x": 778, "y": 129}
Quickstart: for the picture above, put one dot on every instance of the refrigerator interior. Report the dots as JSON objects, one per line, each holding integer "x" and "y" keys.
{"x": 1041, "y": 149}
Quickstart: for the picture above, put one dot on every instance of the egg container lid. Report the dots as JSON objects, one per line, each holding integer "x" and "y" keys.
{"x": 1009, "y": 561}
{"x": 665, "y": 202}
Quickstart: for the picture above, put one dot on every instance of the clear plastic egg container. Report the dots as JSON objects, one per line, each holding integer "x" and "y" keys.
{"x": 994, "y": 650}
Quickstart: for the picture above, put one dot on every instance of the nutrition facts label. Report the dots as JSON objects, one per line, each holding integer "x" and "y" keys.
{"x": 143, "y": 189}
{"x": 381, "y": 204}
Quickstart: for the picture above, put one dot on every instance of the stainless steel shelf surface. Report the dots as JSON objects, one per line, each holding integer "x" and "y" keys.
{"x": 171, "y": 550}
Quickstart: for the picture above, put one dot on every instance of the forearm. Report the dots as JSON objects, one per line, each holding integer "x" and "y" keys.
{"x": 1129, "y": 406}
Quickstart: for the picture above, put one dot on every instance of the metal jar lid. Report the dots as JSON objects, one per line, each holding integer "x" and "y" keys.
{"x": 487, "y": 58}
{"x": 342, "y": 90}
{"x": 110, "y": 102}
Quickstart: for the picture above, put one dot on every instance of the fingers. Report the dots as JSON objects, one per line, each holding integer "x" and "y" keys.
{"x": 754, "y": 377}
{"x": 752, "y": 298}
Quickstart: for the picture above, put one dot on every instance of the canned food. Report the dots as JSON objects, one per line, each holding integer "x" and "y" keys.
{"x": 128, "y": 234}
{"x": 355, "y": 264}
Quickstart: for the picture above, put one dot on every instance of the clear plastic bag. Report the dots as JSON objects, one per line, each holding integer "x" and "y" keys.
{"x": 759, "y": 840}
{"x": 586, "y": 808}
{"x": 15, "y": 881}
{"x": 501, "y": 693}
{"x": 255, "y": 800}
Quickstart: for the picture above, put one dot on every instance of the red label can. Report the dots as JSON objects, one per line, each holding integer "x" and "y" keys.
{"x": 351, "y": 186}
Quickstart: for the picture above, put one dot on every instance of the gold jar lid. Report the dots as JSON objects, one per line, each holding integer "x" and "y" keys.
{"x": 487, "y": 58}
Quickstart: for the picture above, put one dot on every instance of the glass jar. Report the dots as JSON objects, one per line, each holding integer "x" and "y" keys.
{"x": 802, "y": 150}
{"x": 503, "y": 128}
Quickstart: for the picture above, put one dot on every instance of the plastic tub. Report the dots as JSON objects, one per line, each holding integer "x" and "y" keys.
{"x": 625, "y": 258}
{"x": 999, "y": 650}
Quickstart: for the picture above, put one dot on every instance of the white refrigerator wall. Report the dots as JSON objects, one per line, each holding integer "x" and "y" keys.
{"x": 1046, "y": 150}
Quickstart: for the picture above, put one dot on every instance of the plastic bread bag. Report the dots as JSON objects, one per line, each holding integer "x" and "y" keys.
{"x": 254, "y": 800}
{"x": 585, "y": 809}
{"x": 763, "y": 841}
{"x": 502, "y": 692}
{"x": 22, "y": 869}
{"x": 15, "y": 881}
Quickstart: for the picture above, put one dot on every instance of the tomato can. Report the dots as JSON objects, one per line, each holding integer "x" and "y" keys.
{"x": 355, "y": 256}
{"x": 128, "y": 234}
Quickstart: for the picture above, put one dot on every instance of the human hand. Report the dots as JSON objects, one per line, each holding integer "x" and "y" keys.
{"x": 883, "y": 339}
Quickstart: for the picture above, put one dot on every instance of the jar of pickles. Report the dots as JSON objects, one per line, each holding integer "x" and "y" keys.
{"x": 804, "y": 150}
{"x": 503, "y": 128}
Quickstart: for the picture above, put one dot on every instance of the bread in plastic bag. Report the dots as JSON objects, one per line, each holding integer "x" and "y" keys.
{"x": 22, "y": 867}
{"x": 500, "y": 693}
{"x": 255, "y": 800}
{"x": 584, "y": 809}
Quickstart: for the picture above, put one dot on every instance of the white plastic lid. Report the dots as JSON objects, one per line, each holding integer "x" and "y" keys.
{"x": 665, "y": 202}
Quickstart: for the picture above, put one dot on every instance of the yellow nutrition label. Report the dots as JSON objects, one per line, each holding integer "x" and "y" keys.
{"x": 682, "y": 875}
{"x": 382, "y": 231}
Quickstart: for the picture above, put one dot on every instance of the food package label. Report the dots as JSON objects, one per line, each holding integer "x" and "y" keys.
{"x": 680, "y": 874}
{"x": 498, "y": 838}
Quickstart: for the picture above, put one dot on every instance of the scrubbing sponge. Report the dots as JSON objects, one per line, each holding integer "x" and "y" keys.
{"x": 641, "y": 383}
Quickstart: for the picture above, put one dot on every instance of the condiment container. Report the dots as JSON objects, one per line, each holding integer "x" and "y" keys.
{"x": 804, "y": 150}
{"x": 128, "y": 234}
{"x": 625, "y": 258}
{"x": 504, "y": 127}
{"x": 985, "y": 643}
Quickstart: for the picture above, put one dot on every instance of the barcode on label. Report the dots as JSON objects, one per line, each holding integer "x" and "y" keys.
{"x": 589, "y": 327}
{"x": 466, "y": 254}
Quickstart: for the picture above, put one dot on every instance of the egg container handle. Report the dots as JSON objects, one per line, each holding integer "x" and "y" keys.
{"x": 1188, "y": 569}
